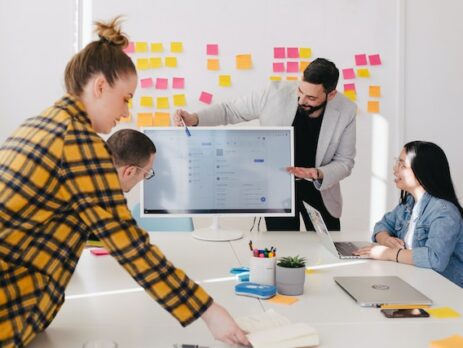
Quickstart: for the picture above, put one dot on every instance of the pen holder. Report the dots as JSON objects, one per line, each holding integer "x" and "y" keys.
{"x": 262, "y": 270}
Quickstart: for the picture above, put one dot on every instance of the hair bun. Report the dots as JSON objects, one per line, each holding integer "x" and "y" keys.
{"x": 110, "y": 32}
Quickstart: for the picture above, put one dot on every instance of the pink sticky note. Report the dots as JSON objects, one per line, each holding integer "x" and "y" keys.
{"x": 348, "y": 74}
{"x": 205, "y": 97}
{"x": 130, "y": 47}
{"x": 292, "y": 67}
{"x": 349, "y": 87}
{"x": 146, "y": 83}
{"x": 278, "y": 67}
{"x": 292, "y": 52}
{"x": 161, "y": 83}
{"x": 375, "y": 59}
{"x": 178, "y": 83}
{"x": 212, "y": 49}
{"x": 99, "y": 252}
{"x": 279, "y": 52}
{"x": 361, "y": 59}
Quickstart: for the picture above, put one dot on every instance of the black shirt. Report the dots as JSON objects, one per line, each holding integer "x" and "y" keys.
{"x": 306, "y": 132}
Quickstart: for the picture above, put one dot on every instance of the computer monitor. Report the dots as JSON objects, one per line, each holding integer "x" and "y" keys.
{"x": 216, "y": 171}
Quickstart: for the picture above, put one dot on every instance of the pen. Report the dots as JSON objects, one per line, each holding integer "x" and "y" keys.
{"x": 187, "y": 131}
{"x": 250, "y": 245}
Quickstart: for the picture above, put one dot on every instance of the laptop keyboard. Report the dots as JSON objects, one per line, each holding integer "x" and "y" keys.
{"x": 345, "y": 248}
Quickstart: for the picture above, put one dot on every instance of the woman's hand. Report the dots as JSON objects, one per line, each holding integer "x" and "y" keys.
{"x": 377, "y": 252}
{"x": 384, "y": 238}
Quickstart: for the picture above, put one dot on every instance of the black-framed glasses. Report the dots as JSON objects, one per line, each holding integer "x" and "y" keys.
{"x": 147, "y": 174}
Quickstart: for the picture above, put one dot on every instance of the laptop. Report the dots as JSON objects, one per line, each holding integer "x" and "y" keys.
{"x": 382, "y": 291}
{"x": 343, "y": 250}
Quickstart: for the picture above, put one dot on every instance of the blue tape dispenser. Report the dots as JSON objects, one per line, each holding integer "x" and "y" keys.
{"x": 255, "y": 290}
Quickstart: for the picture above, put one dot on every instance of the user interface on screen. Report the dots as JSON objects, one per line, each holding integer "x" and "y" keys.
{"x": 220, "y": 170}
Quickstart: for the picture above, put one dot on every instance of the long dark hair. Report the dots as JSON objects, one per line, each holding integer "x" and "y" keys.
{"x": 431, "y": 168}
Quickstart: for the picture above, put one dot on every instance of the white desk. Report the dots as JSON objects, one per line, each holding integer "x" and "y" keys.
{"x": 132, "y": 319}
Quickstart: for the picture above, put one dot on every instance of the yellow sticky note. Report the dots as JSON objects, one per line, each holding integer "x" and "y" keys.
{"x": 143, "y": 63}
{"x": 310, "y": 271}
{"x": 213, "y": 64}
{"x": 455, "y": 341}
{"x": 161, "y": 119}
{"x": 162, "y": 102}
{"x": 176, "y": 47}
{"x": 146, "y": 101}
{"x": 305, "y": 52}
{"x": 363, "y": 72}
{"x": 275, "y": 78}
{"x": 374, "y": 91}
{"x": 291, "y": 78}
{"x": 130, "y": 103}
{"x": 351, "y": 95}
{"x": 243, "y": 61}
{"x": 155, "y": 63}
{"x": 141, "y": 47}
{"x": 144, "y": 119}
{"x": 281, "y": 299}
{"x": 171, "y": 62}
{"x": 303, "y": 64}
{"x": 373, "y": 107}
{"x": 443, "y": 312}
{"x": 157, "y": 47}
{"x": 224, "y": 80}
{"x": 179, "y": 100}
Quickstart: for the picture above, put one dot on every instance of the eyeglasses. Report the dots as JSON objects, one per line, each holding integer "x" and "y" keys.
{"x": 399, "y": 164}
{"x": 148, "y": 174}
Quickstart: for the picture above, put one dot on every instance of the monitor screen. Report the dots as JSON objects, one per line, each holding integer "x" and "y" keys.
{"x": 220, "y": 170}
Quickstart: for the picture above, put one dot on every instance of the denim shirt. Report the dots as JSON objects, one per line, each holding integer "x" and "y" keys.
{"x": 438, "y": 239}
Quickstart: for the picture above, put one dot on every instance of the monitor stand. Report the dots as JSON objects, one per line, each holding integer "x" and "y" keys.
{"x": 214, "y": 233}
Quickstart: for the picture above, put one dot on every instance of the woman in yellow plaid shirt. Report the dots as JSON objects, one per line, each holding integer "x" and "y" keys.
{"x": 58, "y": 183}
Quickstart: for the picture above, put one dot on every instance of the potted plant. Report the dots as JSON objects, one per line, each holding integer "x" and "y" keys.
{"x": 290, "y": 275}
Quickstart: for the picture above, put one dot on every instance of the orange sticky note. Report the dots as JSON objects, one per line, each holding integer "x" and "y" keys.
{"x": 143, "y": 63}
{"x": 291, "y": 78}
{"x": 275, "y": 78}
{"x": 443, "y": 312}
{"x": 373, "y": 107}
{"x": 303, "y": 64}
{"x": 157, "y": 47}
{"x": 171, "y": 62}
{"x": 141, "y": 47}
{"x": 243, "y": 61}
{"x": 351, "y": 95}
{"x": 126, "y": 119}
{"x": 176, "y": 47}
{"x": 455, "y": 341}
{"x": 161, "y": 119}
{"x": 281, "y": 299}
{"x": 224, "y": 80}
{"x": 212, "y": 64}
{"x": 162, "y": 102}
{"x": 179, "y": 100}
{"x": 363, "y": 72}
{"x": 375, "y": 91}
{"x": 305, "y": 52}
{"x": 146, "y": 101}
{"x": 155, "y": 63}
{"x": 144, "y": 119}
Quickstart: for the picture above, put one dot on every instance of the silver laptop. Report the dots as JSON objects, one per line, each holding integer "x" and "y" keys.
{"x": 343, "y": 250}
{"x": 372, "y": 291}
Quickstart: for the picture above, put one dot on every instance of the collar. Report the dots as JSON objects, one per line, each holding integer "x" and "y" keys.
{"x": 74, "y": 107}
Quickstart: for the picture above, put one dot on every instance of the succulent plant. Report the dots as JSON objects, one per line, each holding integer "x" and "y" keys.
{"x": 292, "y": 261}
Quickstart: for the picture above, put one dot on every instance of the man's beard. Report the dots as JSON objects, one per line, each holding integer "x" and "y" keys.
{"x": 312, "y": 109}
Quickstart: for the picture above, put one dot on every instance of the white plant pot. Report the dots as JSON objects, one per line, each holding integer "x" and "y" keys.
{"x": 290, "y": 281}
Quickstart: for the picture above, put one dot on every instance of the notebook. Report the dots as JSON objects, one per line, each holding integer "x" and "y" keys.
{"x": 382, "y": 291}
{"x": 343, "y": 250}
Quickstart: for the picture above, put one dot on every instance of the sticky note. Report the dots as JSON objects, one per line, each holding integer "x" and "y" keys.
{"x": 278, "y": 67}
{"x": 141, "y": 47}
{"x": 310, "y": 271}
{"x": 374, "y": 91}
{"x": 143, "y": 63}
{"x": 373, "y": 106}
{"x": 205, "y": 97}
{"x": 212, "y": 49}
{"x": 146, "y": 83}
{"x": 99, "y": 252}
{"x": 305, "y": 52}
{"x": 224, "y": 80}
{"x": 351, "y": 95}
{"x": 375, "y": 59}
{"x": 157, "y": 47}
{"x": 455, "y": 341}
{"x": 279, "y": 52}
{"x": 443, "y": 312}
{"x": 171, "y": 62}
{"x": 155, "y": 63}
{"x": 281, "y": 299}
{"x": 146, "y": 101}
{"x": 161, "y": 119}
{"x": 176, "y": 47}
{"x": 144, "y": 120}
{"x": 360, "y": 59}
{"x": 303, "y": 64}
{"x": 292, "y": 67}
{"x": 349, "y": 87}
{"x": 130, "y": 48}
{"x": 292, "y": 52}
{"x": 291, "y": 78}
{"x": 364, "y": 72}
{"x": 212, "y": 64}
{"x": 243, "y": 61}
{"x": 179, "y": 100}
{"x": 162, "y": 103}
{"x": 161, "y": 83}
{"x": 126, "y": 119}
{"x": 129, "y": 104}
{"x": 178, "y": 83}
{"x": 348, "y": 74}
{"x": 275, "y": 78}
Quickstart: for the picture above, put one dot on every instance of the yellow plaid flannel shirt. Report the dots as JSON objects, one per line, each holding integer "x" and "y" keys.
{"x": 57, "y": 184}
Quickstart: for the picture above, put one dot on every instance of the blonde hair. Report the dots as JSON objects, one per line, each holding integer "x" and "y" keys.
{"x": 104, "y": 56}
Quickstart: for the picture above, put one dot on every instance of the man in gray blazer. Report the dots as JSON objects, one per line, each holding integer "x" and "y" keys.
{"x": 324, "y": 129}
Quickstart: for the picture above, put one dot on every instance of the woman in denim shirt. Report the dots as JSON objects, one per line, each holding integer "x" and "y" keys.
{"x": 426, "y": 228}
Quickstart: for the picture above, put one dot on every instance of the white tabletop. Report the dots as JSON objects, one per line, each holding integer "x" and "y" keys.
{"x": 102, "y": 300}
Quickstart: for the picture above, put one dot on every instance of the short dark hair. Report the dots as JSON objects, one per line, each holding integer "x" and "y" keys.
{"x": 322, "y": 72}
{"x": 130, "y": 147}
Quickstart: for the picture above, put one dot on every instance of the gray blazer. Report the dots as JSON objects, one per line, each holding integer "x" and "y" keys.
{"x": 276, "y": 106}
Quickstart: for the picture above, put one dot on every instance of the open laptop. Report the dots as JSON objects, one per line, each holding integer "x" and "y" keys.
{"x": 343, "y": 250}
{"x": 382, "y": 291}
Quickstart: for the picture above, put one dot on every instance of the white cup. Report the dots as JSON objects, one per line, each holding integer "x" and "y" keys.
{"x": 262, "y": 270}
